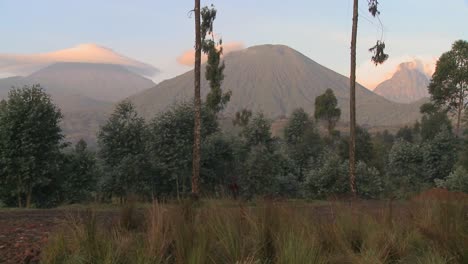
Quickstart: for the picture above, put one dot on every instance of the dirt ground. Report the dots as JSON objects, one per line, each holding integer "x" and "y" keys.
{"x": 23, "y": 232}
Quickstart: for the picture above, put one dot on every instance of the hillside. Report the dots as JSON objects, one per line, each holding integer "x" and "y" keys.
{"x": 277, "y": 79}
{"x": 408, "y": 84}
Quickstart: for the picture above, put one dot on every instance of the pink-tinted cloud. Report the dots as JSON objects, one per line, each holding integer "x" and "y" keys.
{"x": 188, "y": 58}
{"x": 22, "y": 64}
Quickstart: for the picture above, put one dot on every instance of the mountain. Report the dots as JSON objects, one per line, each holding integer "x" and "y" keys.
{"x": 277, "y": 79}
{"x": 408, "y": 84}
{"x": 85, "y": 92}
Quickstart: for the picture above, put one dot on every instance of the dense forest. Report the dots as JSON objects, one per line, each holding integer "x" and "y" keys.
{"x": 152, "y": 160}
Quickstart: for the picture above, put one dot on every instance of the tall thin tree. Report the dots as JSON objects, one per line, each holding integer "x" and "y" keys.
{"x": 352, "y": 103}
{"x": 197, "y": 106}
{"x": 378, "y": 58}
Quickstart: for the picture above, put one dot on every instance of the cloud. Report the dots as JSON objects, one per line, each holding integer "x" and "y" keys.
{"x": 370, "y": 75}
{"x": 188, "y": 57}
{"x": 20, "y": 64}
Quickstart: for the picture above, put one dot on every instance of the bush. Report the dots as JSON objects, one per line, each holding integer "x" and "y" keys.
{"x": 332, "y": 178}
{"x": 457, "y": 181}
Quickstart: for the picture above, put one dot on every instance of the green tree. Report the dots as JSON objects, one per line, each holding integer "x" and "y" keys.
{"x": 326, "y": 110}
{"x": 364, "y": 147}
{"x": 457, "y": 181}
{"x": 406, "y": 133}
{"x": 261, "y": 171}
{"x": 302, "y": 139}
{"x": 382, "y": 143}
{"x": 439, "y": 155}
{"x": 449, "y": 84}
{"x": 258, "y": 131}
{"x": 433, "y": 122}
{"x": 80, "y": 174}
{"x": 329, "y": 178}
{"x": 121, "y": 144}
{"x": 30, "y": 142}
{"x": 405, "y": 168}
{"x": 261, "y": 164}
{"x": 170, "y": 140}
{"x": 218, "y": 163}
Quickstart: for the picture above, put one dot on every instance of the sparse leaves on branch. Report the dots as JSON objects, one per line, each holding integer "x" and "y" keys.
{"x": 379, "y": 56}
{"x": 373, "y": 9}
{"x": 216, "y": 100}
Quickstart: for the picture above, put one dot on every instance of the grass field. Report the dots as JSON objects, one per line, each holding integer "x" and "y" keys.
{"x": 429, "y": 229}
{"x": 215, "y": 231}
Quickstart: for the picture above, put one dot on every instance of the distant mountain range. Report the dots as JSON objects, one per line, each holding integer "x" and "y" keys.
{"x": 276, "y": 79}
{"x": 408, "y": 84}
{"x": 85, "y": 92}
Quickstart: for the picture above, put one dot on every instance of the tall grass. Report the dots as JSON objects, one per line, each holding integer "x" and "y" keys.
{"x": 266, "y": 232}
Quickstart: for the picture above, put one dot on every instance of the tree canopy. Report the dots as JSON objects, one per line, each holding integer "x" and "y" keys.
{"x": 326, "y": 109}
{"x": 449, "y": 83}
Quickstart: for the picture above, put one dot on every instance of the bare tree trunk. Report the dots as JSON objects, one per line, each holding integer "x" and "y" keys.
{"x": 20, "y": 204}
{"x": 352, "y": 104}
{"x": 28, "y": 198}
{"x": 197, "y": 99}
{"x": 460, "y": 110}
{"x": 20, "y": 199}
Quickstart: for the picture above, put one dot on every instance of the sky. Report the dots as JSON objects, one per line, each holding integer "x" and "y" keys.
{"x": 160, "y": 33}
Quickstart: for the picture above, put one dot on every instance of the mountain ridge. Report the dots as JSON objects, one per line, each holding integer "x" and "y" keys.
{"x": 276, "y": 79}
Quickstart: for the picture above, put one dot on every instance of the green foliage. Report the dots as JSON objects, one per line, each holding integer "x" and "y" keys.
{"x": 258, "y": 131}
{"x": 330, "y": 177}
{"x": 303, "y": 140}
{"x": 242, "y": 118}
{"x": 30, "y": 145}
{"x": 439, "y": 155}
{"x": 216, "y": 100}
{"x": 405, "y": 133}
{"x": 364, "y": 147}
{"x": 433, "y": 123}
{"x": 457, "y": 181}
{"x": 80, "y": 174}
{"x": 122, "y": 148}
{"x": 261, "y": 169}
{"x": 413, "y": 166}
{"x": 405, "y": 167}
{"x": 382, "y": 143}
{"x": 218, "y": 161}
{"x": 170, "y": 146}
{"x": 326, "y": 109}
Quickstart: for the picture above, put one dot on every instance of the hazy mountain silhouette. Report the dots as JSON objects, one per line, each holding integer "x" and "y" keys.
{"x": 408, "y": 84}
